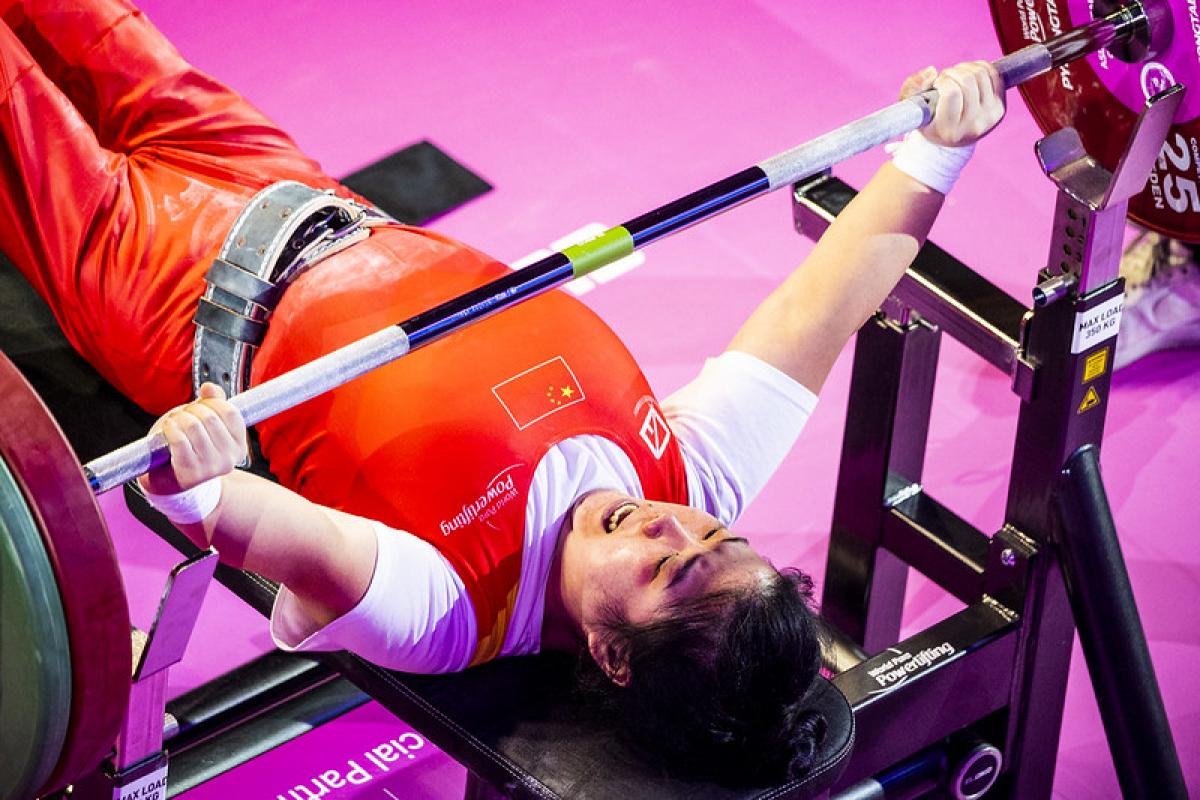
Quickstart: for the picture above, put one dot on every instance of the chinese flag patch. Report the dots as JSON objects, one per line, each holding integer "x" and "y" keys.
{"x": 538, "y": 392}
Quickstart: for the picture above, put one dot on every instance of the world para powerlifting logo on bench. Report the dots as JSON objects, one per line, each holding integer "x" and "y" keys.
{"x": 499, "y": 492}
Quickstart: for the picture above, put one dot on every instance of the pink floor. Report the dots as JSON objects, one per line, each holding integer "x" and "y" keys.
{"x": 590, "y": 112}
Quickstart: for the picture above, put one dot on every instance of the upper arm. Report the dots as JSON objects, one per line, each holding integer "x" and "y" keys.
{"x": 790, "y": 333}
{"x": 415, "y": 615}
{"x": 732, "y": 453}
{"x": 349, "y": 582}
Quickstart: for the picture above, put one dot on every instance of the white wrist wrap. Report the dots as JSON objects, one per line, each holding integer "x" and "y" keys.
{"x": 935, "y": 166}
{"x": 191, "y": 505}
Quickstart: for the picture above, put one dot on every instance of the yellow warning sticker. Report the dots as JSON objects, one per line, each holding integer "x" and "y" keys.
{"x": 1090, "y": 400}
{"x": 1095, "y": 365}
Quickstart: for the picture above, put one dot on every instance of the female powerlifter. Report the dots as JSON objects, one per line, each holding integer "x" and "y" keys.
{"x": 513, "y": 487}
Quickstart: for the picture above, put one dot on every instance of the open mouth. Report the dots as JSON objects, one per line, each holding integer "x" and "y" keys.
{"x": 616, "y": 514}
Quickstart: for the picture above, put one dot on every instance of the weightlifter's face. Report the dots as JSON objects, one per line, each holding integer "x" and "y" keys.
{"x": 636, "y": 557}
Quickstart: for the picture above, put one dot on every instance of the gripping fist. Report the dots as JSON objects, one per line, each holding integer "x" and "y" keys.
{"x": 970, "y": 101}
{"x": 207, "y": 439}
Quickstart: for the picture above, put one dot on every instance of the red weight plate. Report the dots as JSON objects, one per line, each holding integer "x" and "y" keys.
{"x": 1100, "y": 96}
{"x": 85, "y": 566}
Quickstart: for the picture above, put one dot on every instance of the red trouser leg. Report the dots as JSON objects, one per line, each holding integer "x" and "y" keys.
{"x": 121, "y": 169}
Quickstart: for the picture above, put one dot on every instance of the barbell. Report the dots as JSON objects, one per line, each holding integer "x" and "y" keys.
{"x": 1143, "y": 29}
{"x": 73, "y": 663}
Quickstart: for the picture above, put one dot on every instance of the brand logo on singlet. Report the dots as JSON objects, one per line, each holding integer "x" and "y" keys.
{"x": 500, "y": 491}
{"x": 654, "y": 431}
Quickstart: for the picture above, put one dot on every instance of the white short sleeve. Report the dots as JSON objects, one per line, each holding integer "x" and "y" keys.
{"x": 415, "y": 616}
{"x": 736, "y": 421}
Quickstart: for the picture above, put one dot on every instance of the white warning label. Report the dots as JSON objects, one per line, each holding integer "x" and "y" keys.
{"x": 1097, "y": 324}
{"x": 149, "y": 787}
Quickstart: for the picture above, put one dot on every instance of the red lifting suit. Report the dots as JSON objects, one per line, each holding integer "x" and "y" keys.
{"x": 123, "y": 169}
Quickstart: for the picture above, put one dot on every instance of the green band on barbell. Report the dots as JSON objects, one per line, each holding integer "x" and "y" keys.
{"x": 612, "y": 245}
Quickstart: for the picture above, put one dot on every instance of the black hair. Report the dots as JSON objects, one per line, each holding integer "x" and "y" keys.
{"x": 715, "y": 686}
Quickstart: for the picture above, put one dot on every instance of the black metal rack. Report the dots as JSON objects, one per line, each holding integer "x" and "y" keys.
{"x": 998, "y": 668}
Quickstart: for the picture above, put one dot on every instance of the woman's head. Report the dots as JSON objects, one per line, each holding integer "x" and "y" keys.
{"x": 632, "y": 559}
{"x": 699, "y": 646}
{"x": 714, "y": 687}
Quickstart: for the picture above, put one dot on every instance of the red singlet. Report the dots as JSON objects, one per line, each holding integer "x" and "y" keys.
{"x": 444, "y": 442}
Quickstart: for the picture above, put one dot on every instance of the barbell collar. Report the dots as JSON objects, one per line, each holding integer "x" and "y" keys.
{"x": 819, "y": 154}
{"x": 1121, "y": 25}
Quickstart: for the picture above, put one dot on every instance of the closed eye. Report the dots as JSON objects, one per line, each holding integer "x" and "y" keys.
{"x": 662, "y": 562}
{"x": 687, "y": 565}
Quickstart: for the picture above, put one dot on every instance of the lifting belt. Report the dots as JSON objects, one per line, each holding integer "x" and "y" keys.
{"x": 284, "y": 229}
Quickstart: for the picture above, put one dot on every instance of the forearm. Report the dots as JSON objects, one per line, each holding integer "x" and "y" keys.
{"x": 864, "y": 254}
{"x": 326, "y": 561}
{"x": 803, "y": 325}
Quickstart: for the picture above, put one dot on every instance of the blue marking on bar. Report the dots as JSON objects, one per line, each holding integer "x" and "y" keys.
{"x": 488, "y": 299}
{"x": 698, "y": 206}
